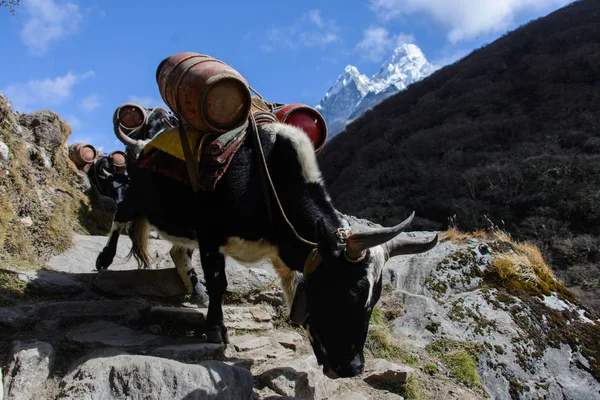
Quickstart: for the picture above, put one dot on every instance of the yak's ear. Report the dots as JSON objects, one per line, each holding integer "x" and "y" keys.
{"x": 299, "y": 308}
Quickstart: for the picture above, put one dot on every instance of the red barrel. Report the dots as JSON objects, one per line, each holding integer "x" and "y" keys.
{"x": 82, "y": 154}
{"x": 127, "y": 118}
{"x": 119, "y": 160}
{"x": 306, "y": 118}
{"x": 213, "y": 96}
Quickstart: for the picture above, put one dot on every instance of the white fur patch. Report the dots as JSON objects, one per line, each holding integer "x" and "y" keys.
{"x": 304, "y": 149}
{"x": 375, "y": 269}
{"x": 249, "y": 252}
{"x": 179, "y": 241}
{"x": 182, "y": 265}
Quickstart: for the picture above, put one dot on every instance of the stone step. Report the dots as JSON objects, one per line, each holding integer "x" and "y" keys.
{"x": 108, "y": 334}
{"x": 248, "y": 318}
{"x": 16, "y": 317}
{"x": 190, "y": 353}
{"x": 153, "y": 283}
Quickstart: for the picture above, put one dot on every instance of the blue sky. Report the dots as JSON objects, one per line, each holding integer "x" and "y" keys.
{"x": 83, "y": 58}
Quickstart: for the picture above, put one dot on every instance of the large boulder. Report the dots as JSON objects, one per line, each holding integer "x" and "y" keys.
{"x": 106, "y": 377}
{"x": 28, "y": 367}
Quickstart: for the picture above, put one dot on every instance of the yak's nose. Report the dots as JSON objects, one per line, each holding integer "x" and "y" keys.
{"x": 355, "y": 367}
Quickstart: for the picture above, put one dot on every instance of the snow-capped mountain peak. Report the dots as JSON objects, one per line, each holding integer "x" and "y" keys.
{"x": 354, "y": 93}
{"x": 350, "y": 79}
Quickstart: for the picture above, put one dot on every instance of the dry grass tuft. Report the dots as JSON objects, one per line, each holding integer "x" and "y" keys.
{"x": 516, "y": 265}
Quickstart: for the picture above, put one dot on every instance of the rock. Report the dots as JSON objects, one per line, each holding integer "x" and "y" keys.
{"x": 17, "y": 316}
{"x": 384, "y": 371}
{"x": 193, "y": 316}
{"x": 82, "y": 182}
{"x": 152, "y": 378}
{"x": 272, "y": 296}
{"x": 26, "y": 221}
{"x": 242, "y": 279}
{"x": 103, "y": 333}
{"x": 153, "y": 283}
{"x": 28, "y": 367}
{"x": 47, "y": 326}
{"x": 252, "y": 343}
{"x": 356, "y": 396}
{"x": 253, "y": 318}
{"x": 52, "y": 282}
{"x": 190, "y": 353}
{"x": 289, "y": 340}
{"x": 81, "y": 257}
{"x": 48, "y": 130}
{"x": 4, "y": 153}
{"x": 299, "y": 378}
{"x": 1, "y": 386}
{"x": 155, "y": 329}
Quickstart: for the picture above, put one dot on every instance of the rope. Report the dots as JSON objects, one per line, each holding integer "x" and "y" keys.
{"x": 264, "y": 160}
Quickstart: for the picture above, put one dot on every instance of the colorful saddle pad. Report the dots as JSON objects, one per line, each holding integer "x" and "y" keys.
{"x": 213, "y": 153}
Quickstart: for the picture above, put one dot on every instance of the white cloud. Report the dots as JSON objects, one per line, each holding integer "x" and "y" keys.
{"x": 90, "y": 103}
{"x": 45, "y": 92}
{"x": 48, "y": 22}
{"x": 465, "y": 19}
{"x": 378, "y": 43}
{"x": 310, "y": 30}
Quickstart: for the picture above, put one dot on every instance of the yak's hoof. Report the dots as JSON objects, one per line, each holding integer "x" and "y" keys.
{"x": 103, "y": 262}
{"x": 217, "y": 334}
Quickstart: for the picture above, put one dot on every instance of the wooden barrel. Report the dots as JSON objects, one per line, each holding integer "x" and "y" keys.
{"x": 213, "y": 96}
{"x": 306, "y": 118}
{"x": 119, "y": 160}
{"x": 82, "y": 154}
{"x": 127, "y": 118}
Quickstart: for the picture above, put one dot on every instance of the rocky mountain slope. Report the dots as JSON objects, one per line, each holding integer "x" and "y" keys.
{"x": 43, "y": 197}
{"x": 449, "y": 325}
{"x": 509, "y": 134}
{"x": 479, "y": 316}
{"x": 354, "y": 93}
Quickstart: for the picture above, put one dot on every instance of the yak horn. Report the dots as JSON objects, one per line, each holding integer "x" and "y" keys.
{"x": 105, "y": 173}
{"x": 126, "y": 139}
{"x": 398, "y": 246}
{"x": 359, "y": 242}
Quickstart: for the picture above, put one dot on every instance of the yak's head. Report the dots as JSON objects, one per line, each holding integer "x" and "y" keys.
{"x": 108, "y": 179}
{"x": 341, "y": 285}
{"x": 157, "y": 121}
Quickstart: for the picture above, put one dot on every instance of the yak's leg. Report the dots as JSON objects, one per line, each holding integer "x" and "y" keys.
{"x": 182, "y": 258}
{"x": 122, "y": 217}
{"x": 106, "y": 256}
{"x": 213, "y": 265}
{"x": 289, "y": 280}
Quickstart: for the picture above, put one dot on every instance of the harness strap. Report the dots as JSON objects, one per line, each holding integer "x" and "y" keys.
{"x": 262, "y": 158}
{"x": 262, "y": 174}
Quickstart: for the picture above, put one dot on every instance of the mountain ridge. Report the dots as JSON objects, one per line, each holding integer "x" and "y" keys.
{"x": 507, "y": 135}
{"x": 354, "y": 93}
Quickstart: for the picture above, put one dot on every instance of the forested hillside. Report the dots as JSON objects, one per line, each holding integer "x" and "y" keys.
{"x": 510, "y": 134}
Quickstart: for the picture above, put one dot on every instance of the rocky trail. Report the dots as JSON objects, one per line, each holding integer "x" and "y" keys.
{"x": 129, "y": 333}
{"x": 447, "y": 326}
